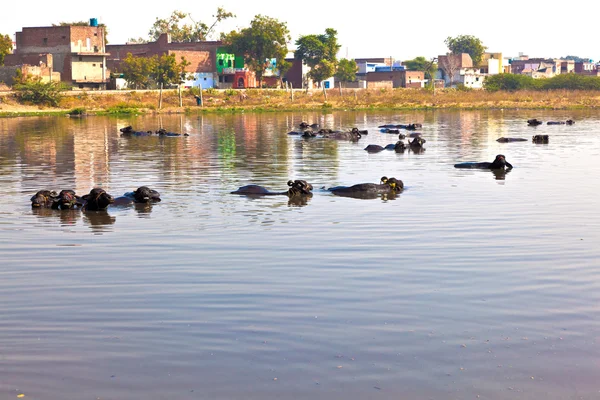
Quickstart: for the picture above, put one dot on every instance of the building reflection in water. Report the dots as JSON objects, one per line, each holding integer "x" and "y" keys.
{"x": 91, "y": 158}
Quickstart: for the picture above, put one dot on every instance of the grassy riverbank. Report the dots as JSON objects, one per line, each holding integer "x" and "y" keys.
{"x": 254, "y": 100}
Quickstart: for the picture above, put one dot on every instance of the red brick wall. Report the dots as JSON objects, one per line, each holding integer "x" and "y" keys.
{"x": 31, "y": 40}
{"x": 94, "y": 33}
{"x": 56, "y": 40}
{"x": 201, "y": 55}
{"x": 200, "y": 61}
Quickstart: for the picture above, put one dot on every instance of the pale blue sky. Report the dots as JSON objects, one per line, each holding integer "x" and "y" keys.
{"x": 401, "y": 29}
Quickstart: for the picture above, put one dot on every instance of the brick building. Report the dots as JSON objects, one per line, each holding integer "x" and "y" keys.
{"x": 76, "y": 52}
{"x": 399, "y": 78}
{"x": 200, "y": 55}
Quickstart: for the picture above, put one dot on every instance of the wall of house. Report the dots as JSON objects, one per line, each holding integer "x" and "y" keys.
{"x": 224, "y": 60}
{"x": 471, "y": 78}
{"x": 399, "y": 78}
{"x": 294, "y": 74}
{"x": 201, "y": 55}
{"x": 359, "y": 84}
{"x": 414, "y": 79}
{"x": 380, "y": 84}
{"x": 205, "y": 80}
{"x": 88, "y": 68}
{"x": 271, "y": 81}
{"x": 60, "y": 42}
{"x": 494, "y": 66}
{"x": 87, "y": 39}
{"x": 7, "y": 74}
{"x": 200, "y": 61}
{"x": 51, "y": 39}
{"x": 31, "y": 42}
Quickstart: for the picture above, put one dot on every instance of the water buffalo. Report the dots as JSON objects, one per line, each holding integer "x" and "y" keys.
{"x": 43, "y": 198}
{"x": 509, "y": 140}
{"x": 164, "y": 132}
{"x": 399, "y": 146}
{"x": 534, "y": 122}
{"x": 498, "y": 163}
{"x": 567, "y": 122}
{"x": 67, "y": 200}
{"x": 388, "y": 186}
{"x": 307, "y": 125}
{"x": 297, "y": 188}
{"x": 142, "y": 195}
{"x": 417, "y": 143}
{"x": 97, "y": 200}
{"x": 540, "y": 139}
{"x": 128, "y": 131}
{"x": 409, "y": 127}
{"x": 354, "y": 135}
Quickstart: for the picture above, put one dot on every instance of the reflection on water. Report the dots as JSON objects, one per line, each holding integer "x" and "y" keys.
{"x": 500, "y": 174}
{"x": 98, "y": 221}
{"x": 64, "y": 217}
{"x": 461, "y": 286}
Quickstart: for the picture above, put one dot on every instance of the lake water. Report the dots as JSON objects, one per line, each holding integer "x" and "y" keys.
{"x": 467, "y": 285}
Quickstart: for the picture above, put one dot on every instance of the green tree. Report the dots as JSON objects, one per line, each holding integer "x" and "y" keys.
{"x": 137, "y": 40}
{"x": 266, "y": 38}
{"x": 5, "y": 47}
{"x": 346, "y": 70}
{"x": 85, "y": 23}
{"x": 509, "y": 82}
{"x": 167, "y": 71}
{"x": 319, "y": 52}
{"x": 571, "y": 82}
{"x": 576, "y": 59}
{"x": 466, "y": 44}
{"x": 422, "y": 64}
{"x": 194, "y": 32}
{"x": 137, "y": 71}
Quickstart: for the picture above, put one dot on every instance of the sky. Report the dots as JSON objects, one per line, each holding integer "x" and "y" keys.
{"x": 400, "y": 29}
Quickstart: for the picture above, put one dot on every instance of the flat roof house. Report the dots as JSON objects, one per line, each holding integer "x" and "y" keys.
{"x": 77, "y": 52}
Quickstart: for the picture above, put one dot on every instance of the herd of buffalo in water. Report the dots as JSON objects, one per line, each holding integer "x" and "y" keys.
{"x": 98, "y": 199}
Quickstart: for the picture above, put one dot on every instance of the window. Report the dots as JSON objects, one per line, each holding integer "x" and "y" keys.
{"x": 95, "y": 34}
{"x": 101, "y": 65}
{"x": 94, "y": 64}
{"x": 64, "y": 37}
{"x": 477, "y": 79}
{"x": 45, "y": 41}
{"x": 80, "y": 58}
{"x": 229, "y": 63}
{"x": 221, "y": 62}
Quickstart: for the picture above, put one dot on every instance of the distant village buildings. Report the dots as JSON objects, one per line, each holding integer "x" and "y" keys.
{"x": 72, "y": 54}
{"x": 79, "y": 57}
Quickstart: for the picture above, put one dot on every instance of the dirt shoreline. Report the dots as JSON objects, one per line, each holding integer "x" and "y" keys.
{"x": 255, "y": 100}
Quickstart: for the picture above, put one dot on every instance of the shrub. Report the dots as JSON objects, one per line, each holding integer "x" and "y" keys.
{"x": 34, "y": 91}
{"x": 509, "y": 82}
{"x": 462, "y": 88}
{"x": 122, "y": 108}
{"x": 77, "y": 111}
{"x": 512, "y": 82}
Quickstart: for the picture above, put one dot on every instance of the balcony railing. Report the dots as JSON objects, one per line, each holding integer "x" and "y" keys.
{"x": 234, "y": 70}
